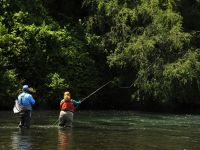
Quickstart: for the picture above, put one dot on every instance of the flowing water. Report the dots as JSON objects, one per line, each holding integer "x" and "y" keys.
{"x": 102, "y": 130}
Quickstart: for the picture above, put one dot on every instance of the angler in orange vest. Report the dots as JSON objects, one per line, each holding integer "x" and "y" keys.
{"x": 67, "y": 108}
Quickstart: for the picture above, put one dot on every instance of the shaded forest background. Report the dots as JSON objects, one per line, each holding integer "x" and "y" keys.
{"x": 150, "y": 50}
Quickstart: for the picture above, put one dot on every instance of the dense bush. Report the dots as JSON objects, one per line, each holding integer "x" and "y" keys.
{"x": 52, "y": 46}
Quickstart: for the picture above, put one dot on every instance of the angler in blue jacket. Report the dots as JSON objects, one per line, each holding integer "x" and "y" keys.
{"x": 25, "y": 101}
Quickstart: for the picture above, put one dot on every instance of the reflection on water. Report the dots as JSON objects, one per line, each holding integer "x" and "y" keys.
{"x": 21, "y": 140}
{"x": 103, "y": 131}
{"x": 64, "y": 138}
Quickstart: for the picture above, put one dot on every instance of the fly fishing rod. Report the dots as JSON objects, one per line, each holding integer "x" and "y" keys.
{"x": 95, "y": 91}
{"x": 88, "y": 97}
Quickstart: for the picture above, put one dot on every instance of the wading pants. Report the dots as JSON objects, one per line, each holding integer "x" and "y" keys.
{"x": 66, "y": 118}
{"x": 25, "y": 117}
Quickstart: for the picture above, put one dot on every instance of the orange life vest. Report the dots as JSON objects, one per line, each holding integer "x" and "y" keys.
{"x": 67, "y": 106}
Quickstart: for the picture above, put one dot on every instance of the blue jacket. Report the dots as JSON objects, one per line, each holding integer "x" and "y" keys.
{"x": 26, "y": 99}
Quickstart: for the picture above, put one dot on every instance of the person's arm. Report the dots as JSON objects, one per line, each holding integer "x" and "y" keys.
{"x": 32, "y": 101}
{"x": 76, "y": 103}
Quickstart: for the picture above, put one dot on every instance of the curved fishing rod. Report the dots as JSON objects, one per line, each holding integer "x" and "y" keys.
{"x": 95, "y": 91}
{"x": 88, "y": 97}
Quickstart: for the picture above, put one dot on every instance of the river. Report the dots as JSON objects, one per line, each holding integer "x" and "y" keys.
{"x": 102, "y": 130}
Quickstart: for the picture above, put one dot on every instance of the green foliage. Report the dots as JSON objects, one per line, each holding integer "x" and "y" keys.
{"x": 186, "y": 68}
{"x": 9, "y": 88}
{"x": 73, "y": 45}
{"x": 183, "y": 79}
{"x": 42, "y": 54}
{"x": 56, "y": 82}
{"x": 148, "y": 37}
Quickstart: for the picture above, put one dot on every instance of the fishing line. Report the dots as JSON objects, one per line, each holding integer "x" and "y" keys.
{"x": 147, "y": 69}
{"x": 88, "y": 97}
{"x": 126, "y": 87}
{"x": 95, "y": 91}
{"x": 55, "y": 122}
